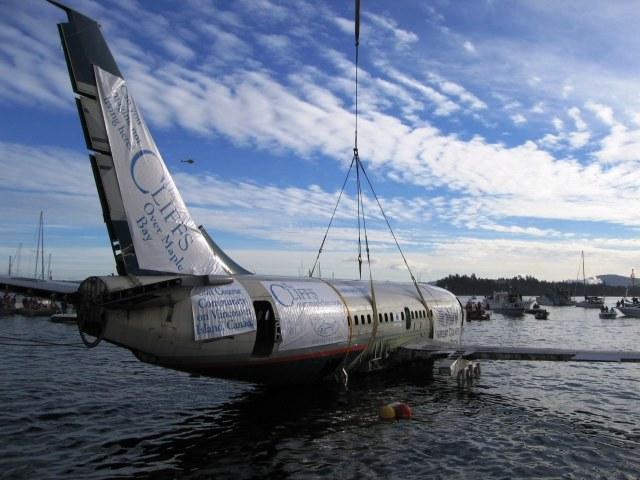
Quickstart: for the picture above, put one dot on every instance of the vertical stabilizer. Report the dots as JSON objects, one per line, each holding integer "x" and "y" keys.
{"x": 150, "y": 228}
{"x": 164, "y": 235}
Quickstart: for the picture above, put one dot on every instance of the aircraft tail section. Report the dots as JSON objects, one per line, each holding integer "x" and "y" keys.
{"x": 150, "y": 228}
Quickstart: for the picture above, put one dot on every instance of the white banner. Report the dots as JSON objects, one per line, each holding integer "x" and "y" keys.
{"x": 165, "y": 236}
{"x": 447, "y": 323}
{"x": 221, "y": 311}
{"x": 311, "y": 314}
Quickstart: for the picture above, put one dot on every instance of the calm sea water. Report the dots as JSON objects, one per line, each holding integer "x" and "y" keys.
{"x": 69, "y": 412}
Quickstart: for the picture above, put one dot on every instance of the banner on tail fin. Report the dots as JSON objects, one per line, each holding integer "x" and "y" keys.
{"x": 165, "y": 236}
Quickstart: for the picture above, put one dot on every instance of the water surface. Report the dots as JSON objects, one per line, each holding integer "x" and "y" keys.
{"x": 69, "y": 412}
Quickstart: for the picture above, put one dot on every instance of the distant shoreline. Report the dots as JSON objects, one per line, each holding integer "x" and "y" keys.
{"x": 530, "y": 286}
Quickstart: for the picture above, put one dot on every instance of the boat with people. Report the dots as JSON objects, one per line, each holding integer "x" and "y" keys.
{"x": 608, "y": 312}
{"x": 475, "y": 310}
{"x": 629, "y": 307}
{"x": 8, "y": 304}
{"x": 34, "y": 307}
{"x": 507, "y": 303}
{"x": 533, "y": 309}
{"x": 541, "y": 314}
{"x": 557, "y": 296}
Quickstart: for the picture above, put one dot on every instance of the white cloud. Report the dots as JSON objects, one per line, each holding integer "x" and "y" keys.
{"x": 603, "y": 112}
{"x": 469, "y": 47}
{"x": 518, "y": 119}
{"x": 567, "y": 90}
{"x": 575, "y": 114}
{"x": 539, "y": 107}
{"x": 558, "y": 124}
{"x": 403, "y": 37}
{"x": 455, "y": 90}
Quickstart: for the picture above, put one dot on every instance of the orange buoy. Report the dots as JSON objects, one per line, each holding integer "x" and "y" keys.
{"x": 387, "y": 412}
{"x": 395, "y": 410}
{"x": 403, "y": 411}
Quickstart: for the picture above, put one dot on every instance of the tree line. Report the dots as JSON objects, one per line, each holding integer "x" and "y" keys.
{"x": 528, "y": 285}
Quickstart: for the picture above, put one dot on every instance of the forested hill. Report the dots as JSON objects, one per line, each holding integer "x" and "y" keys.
{"x": 530, "y": 286}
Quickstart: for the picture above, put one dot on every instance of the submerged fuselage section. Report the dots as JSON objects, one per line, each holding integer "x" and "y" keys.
{"x": 266, "y": 329}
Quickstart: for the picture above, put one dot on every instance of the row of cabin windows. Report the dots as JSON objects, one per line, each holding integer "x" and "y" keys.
{"x": 362, "y": 319}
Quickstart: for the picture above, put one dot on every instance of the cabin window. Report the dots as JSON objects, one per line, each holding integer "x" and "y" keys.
{"x": 380, "y": 318}
{"x": 368, "y": 318}
{"x": 407, "y": 317}
{"x": 413, "y": 315}
{"x": 265, "y": 329}
{"x": 391, "y": 317}
{"x": 355, "y": 319}
{"x": 386, "y": 318}
{"x": 402, "y": 316}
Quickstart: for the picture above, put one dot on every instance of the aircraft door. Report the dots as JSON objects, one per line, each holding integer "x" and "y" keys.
{"x": 266, "y": 329}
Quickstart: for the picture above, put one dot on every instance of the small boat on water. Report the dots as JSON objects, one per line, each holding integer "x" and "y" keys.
{"x": 8, "y": 304}
{"x": 32, "y": 307}
{"x": 629, "y": 308}
{"x": 507, "y": 303}
{"x": 475, "y": 310}
{"x": 591, "y": 302}
{"x": 535, "y": 308}
{"x": 541, "y": 314}
{"x": 556, "y": 297}
{"x": 64, "y": 318}
{"x": 608, "y": 312}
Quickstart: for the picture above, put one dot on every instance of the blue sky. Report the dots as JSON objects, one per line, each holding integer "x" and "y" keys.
{"x": 502, "y": 137}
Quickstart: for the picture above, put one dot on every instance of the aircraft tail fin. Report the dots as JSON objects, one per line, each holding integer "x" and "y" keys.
{"x": 150, "y": 228}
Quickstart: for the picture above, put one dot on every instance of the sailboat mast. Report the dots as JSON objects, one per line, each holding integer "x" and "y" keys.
{"x": 584, "y": 276}
{"x": 35, "y": 270}
{"x": 42, "y": 244}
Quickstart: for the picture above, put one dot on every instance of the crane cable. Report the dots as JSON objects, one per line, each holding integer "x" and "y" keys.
{"x": 362, "y": 227}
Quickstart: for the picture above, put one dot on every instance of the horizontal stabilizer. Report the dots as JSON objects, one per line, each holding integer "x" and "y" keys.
{"x": 141, "y": 292}
{"x": 481, "y": 352}
{"x": 33, "y": 286}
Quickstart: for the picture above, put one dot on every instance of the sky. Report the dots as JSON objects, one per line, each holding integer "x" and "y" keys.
{"x": 502, "y": 138}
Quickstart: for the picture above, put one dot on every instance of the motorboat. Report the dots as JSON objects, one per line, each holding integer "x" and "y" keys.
{"x": 507, "y": 303}
{"x": 608, "y": 312}
{"x": 591, "y": 302}
{"x": 476, "y": 311}
{"x": 556, "y": 297}
{"x": 541, "y": 314}
{"x": 629, "y": 308}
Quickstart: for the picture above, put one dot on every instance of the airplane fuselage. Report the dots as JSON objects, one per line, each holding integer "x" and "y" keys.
{"x": 271, "y": 329}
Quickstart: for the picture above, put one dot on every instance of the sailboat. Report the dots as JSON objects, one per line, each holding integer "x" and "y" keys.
{"x": 590, "y": 301}
{"x": 33, "y": 306}
{"x": 630, "y": 307}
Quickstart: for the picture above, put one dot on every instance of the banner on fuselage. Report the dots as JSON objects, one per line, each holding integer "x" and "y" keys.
{"x": 311, "y": 314}
{"x": 221, "y": 311}
{"x": 165, "y": 237}
{"x": 447, "y": 322}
